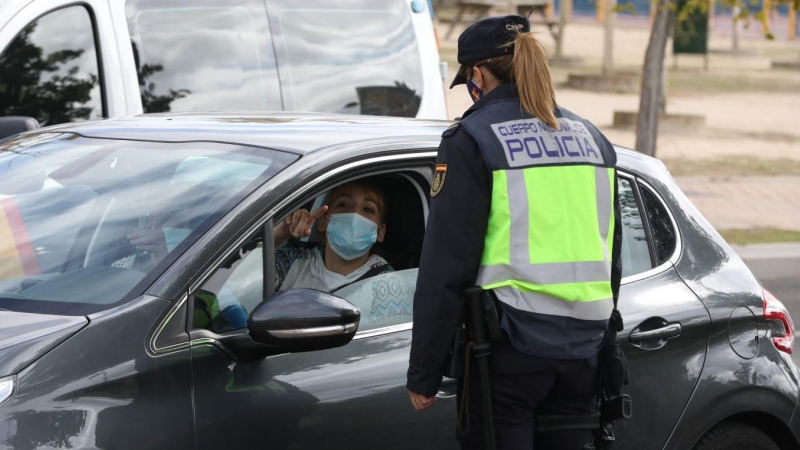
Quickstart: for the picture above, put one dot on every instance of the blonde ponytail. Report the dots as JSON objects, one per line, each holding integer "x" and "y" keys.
{"x": 532, "y": 77}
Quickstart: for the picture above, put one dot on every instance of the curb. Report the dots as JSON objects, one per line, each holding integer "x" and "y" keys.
{"x": 771, "y": 261}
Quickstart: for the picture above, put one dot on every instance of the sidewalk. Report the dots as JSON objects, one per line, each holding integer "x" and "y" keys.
{"x": 746, "y": 202}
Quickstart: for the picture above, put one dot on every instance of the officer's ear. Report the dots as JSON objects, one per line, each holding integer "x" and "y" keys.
{"x": 477, "y": 77}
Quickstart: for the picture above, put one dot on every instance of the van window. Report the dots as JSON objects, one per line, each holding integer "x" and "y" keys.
{"x": 348, "y": 56}
{"x": 203, "y": 55}
{"x": 49, "y": 71}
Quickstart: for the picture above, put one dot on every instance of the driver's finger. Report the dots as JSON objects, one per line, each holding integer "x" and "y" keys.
{"x": 318, "y": 213}
{"x": 296, "y": 222}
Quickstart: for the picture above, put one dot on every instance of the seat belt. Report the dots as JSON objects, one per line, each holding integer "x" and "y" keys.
{"x": 377, "y": 270}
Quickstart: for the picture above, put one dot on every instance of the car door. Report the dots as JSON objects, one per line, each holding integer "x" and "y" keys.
{"x": 340, "y": 398}
{"x": 58, "y": 62}
{"x": 666, "y": 326}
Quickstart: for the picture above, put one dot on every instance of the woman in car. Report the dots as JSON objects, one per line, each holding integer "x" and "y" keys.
{"x": 352, "y": 221}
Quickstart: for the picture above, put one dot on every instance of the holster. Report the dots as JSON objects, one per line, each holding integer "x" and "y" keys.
{"x": 613, "y": 374}
{"x": 613, "y": 363}
{"x": 456, "y": 357}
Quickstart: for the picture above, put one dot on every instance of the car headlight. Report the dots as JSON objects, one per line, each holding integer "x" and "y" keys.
{"x": 6, "y": 389}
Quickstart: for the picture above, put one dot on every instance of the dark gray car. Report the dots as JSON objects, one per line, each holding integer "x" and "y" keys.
{"x": 106, "y": 342}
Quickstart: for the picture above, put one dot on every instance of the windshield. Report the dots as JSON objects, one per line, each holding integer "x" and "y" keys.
{"x": 86, "y": 224}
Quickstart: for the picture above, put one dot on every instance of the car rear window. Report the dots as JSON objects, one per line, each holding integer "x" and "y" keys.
{"x": 661, "y": 226}
{"x": 203, "y": 55}
{"x": 347, "y": 56}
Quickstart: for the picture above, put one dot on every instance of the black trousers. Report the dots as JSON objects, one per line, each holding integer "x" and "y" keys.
{"x": 524, "y": 386}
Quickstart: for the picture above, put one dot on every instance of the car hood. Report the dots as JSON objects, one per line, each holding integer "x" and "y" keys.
{"x": 26, "y": 337}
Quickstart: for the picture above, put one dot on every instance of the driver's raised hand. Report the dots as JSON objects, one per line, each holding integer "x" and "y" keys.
{"x": 297, "y": 225}
{"x": 300, "y": 221}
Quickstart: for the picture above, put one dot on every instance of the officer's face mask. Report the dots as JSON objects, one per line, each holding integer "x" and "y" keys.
{"x": 174, "y": 236}
{"x": 351, "y": 235}
{"x": 474, "y": 90}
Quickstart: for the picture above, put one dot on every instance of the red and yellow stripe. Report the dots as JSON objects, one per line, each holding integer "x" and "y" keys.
{"x": 17, "y": 258}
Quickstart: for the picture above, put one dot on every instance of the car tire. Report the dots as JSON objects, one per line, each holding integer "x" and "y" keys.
{"x": 735, "y": 436}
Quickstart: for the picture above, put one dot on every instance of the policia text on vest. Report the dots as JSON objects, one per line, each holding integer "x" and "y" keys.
{"x": 530, "y": 142}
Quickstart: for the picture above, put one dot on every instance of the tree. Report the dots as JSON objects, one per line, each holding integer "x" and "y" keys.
{"x": 31, "y": 84}
{"x": 151, "y": 102}
{"x": 653, "y": 78}
{"x": 652, "y": 96}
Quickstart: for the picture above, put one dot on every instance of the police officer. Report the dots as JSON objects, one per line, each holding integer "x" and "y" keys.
{"x": 524, "y": 204}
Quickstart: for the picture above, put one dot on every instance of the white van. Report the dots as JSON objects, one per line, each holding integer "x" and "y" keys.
{"x": 68, "y": 60}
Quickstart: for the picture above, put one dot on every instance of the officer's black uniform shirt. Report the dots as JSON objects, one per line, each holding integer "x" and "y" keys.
{"x": 452, "y": 251}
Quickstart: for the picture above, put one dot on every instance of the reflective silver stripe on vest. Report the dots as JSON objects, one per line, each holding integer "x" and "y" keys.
{"x": 547, "y": 273}
{"x": 603, "y": 186}
{"x": 518, "y": 210}
{"x": 544, "y": 304}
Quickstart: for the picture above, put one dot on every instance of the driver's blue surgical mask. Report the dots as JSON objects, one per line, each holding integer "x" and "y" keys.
{"x": 174, "y": 236}
{"x": 351, "y": 235}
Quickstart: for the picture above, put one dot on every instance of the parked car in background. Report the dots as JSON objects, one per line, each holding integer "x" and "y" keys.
{"x": 65, "y": 61}
{"x": 102, "y": 346}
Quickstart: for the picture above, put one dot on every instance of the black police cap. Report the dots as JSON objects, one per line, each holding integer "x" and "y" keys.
{"x": 485, "y": 39}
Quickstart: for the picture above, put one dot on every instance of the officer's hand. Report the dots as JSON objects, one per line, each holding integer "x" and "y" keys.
{"x": 420, "y": 401}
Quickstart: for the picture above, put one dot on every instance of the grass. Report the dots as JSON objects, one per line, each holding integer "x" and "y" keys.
{"x": 759, "y": 236}
{"x": 740, "y": 165}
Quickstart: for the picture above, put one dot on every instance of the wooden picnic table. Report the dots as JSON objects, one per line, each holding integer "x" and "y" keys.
{"x": 526, "y": 8}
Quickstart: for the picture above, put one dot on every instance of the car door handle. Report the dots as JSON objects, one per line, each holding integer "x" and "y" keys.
{"x": 669, "y": 331}
{"x": 448, "y": 389}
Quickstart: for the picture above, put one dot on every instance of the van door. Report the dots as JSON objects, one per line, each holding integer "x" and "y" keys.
{"x": 57, "y": 63}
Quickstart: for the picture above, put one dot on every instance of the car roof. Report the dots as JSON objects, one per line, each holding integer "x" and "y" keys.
{"x": 298, "y": 133}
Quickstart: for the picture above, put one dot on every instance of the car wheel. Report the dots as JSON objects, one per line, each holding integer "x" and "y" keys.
{"x": 735, "y": 436}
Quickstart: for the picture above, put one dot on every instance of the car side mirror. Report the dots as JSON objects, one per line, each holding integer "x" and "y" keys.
{"x": 12, "y": 125}
{"x": 303, "y": 320}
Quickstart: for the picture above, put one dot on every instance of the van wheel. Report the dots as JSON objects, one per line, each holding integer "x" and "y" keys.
{"x": 735, "y": 436}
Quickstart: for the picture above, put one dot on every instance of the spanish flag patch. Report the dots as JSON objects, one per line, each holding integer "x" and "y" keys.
{"x": 438, "y": 179}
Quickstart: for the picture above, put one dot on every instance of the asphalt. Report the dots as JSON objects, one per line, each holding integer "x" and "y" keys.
{"x": 777, "y": 266}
